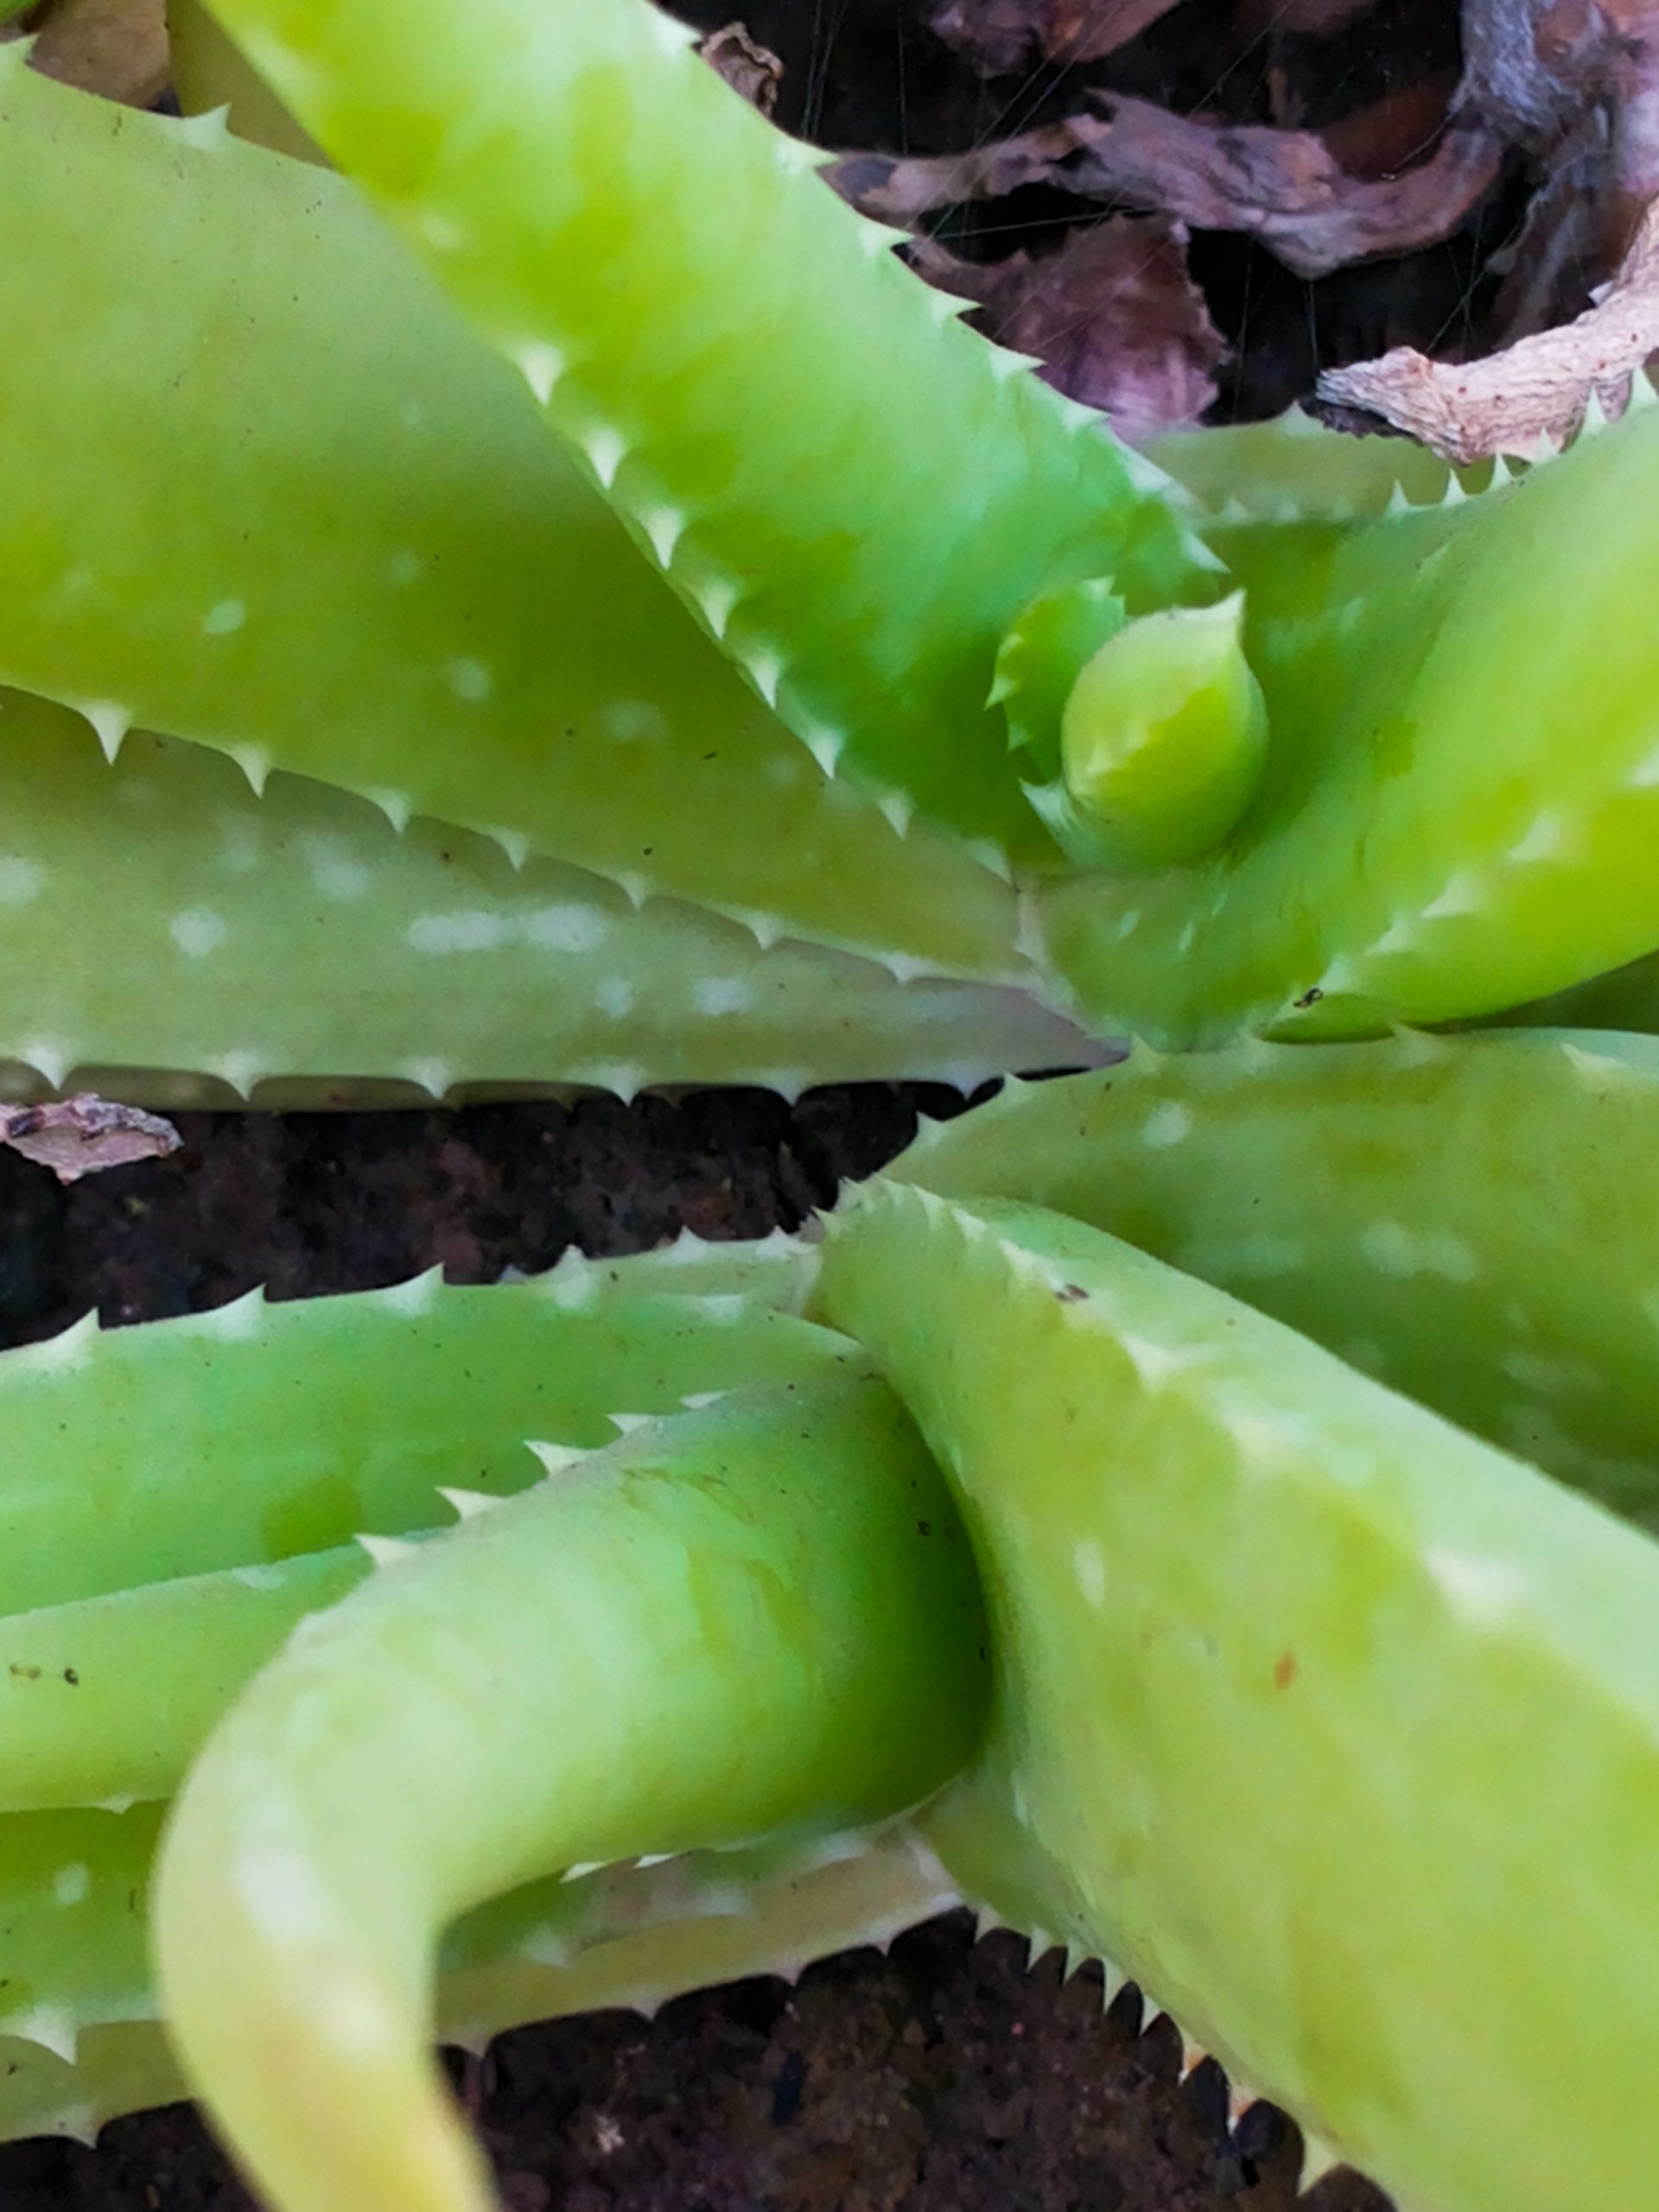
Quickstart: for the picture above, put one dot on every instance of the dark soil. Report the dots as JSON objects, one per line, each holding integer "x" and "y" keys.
{"x": 941, "y": 2078}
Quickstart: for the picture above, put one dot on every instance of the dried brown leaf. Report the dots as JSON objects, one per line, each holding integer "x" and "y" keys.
{"x": 1113, "y": 316}
{"x": 84, "y": 1134}
{"x": 1530, "y": 397}
{"x": 749, "y": 68}
{"x": 996, "y": 37}
{"x": 999, "y": 38}
{"x": 1575, "y": 82}
{"x": 1538, "y": 62}
{"x": 1283, "y": 187}
{"x": 1087, "y": 30}
{"x": 1302, "y": 18}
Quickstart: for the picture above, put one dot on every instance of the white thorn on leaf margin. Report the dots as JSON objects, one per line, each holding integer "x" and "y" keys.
{"x": 52, "y": 2026}
{"x": 397, "y": 806}
{"x": 110, "y": 724}
{"x": 558, "y": 1459}
{"x": 540, "y": 365}
{"x": 255, "y": 763}
{"x": 208, "y": 131}
{"x": 386, "y": 1551}
{"x": 468, "y": 1503}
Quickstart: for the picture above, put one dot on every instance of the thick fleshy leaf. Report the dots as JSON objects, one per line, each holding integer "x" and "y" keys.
{"x": 767, "y": 1602}
{"x": 1336, "y": 1728}
{"x": 855, "y": 494}
{"x": 264, "y": 490}
{"x": 176, "y": 940}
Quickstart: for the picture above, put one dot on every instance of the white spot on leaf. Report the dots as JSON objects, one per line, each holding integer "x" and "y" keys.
{"x": 197, "y": 932}
{"x": 281, "y": 1890}
{"x": 336, "y": 871}
{"x": 1393, "y": 1248}
{"x": 239, "y": 846}
{"x": 469, "y": 679}
{"x": 630, "y": 722}
{"x": 718, "y": 995}
{"x": 21, "y": 879}
{"x": 1088, "y": 1565}
{"x": 473, "y": 929}
{"x": 440, "y": 231}
{"x": 1480, "y": 1589}
{"x": 566, "y": 928}
{"x": 1167, "y": 1124}
{"x": 71, "y": 1883}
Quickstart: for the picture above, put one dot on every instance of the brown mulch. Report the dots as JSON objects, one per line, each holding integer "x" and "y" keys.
{"x": 1202, "y": 208}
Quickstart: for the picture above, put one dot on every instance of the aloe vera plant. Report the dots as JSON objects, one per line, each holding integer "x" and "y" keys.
{"x": 639, "y": 635}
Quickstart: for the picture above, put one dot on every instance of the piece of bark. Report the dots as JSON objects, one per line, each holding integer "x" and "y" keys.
{"x": 1113, "y": 316}
{"x": 1527, "y": 399}
{"x": 1282, "y": 187}
{"x": 85, "y": 1135}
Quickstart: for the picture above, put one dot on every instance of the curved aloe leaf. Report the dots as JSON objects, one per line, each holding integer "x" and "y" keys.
{"x": 1365, "y": 1776}
{"x": 81, "y": 2041}
{"x": 860, "y": 557}
{"x": 167, "y": 937}
{"x": 1474, "y": 1221}
{"x": 256, "y": 1432}
{"x": 767, "y": 1602}
{"x": 266, "y": 491}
